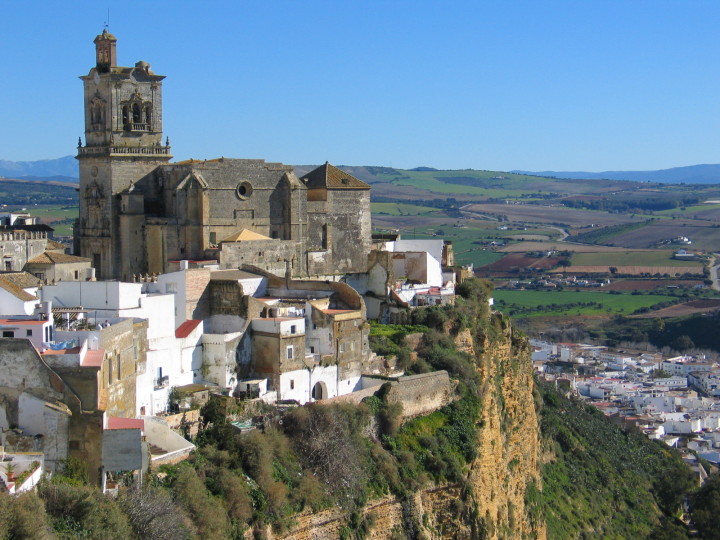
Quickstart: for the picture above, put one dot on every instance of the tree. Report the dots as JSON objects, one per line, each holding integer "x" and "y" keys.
{"x": 153, "y": 514}
{"x": 682, "y": 343}
{"x": 705, "y": 508}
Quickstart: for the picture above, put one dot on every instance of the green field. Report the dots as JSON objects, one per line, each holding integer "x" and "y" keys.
{"x": 464, "y": 239}
{"x": 402, "y": 209}
{"x": 59, "y": 218}
{"x": 688, "y": 210}
{"x": 542, "y": 303}
{"x": 630, "y": 258}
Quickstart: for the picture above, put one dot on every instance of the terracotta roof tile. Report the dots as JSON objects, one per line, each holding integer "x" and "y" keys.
{"x": 53, "y": 257}
{"x": 329, "y": 176}
{"x": 125, "y": 423}
{"x": 24, "y": 280}
{"x": 53, "y": 245}
{"x": 15, "y": 290}
{"x": 186, "y": 328}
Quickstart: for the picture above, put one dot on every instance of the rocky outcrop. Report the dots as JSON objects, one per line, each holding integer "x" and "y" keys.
{"x": 509, "y": 441}
{"x": 491, "y": 503}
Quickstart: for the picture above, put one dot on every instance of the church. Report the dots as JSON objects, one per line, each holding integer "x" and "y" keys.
{"x": 139, "y": 213}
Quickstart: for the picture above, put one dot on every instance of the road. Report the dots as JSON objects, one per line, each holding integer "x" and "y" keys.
{"x": 714, "y": 267}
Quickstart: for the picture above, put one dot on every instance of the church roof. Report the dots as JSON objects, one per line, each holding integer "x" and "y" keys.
{"x": 329, "y": 176}
{"x": 246, "y": 235}
{"x": 53, "y": 257}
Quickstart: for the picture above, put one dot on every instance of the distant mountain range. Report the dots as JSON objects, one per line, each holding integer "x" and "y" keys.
{"x": 694, "y": 174}
{"x": 65, "y": 169}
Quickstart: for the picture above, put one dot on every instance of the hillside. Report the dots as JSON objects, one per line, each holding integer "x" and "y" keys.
{"x": 693, "y": 174}
{"x": 506, "y": 459}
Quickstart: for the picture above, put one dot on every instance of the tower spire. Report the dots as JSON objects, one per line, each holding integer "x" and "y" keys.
{"x": 105, "y": 51}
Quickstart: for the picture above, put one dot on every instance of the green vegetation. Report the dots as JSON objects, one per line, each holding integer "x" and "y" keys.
{"x": 542, "y": 303}
{"x": 630, "y": 258}
{"x": 680, "y": 334}
{"x": 30, "y": 193}
{"x": 603, "y": 482}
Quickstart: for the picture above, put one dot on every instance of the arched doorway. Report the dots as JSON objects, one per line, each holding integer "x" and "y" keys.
{"x": 319, "y": 391}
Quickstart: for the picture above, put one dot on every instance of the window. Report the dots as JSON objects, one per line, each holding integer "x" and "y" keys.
{"x": 8, "y": 266}
{"x": 28, "y": 333}
{"x": 290, "y": 352}
{"x": 312, "y": 350}
{"x": 292, "y": 384}
{"x": 274, "y": 234}
{"x": 342, "y": 347}
{"x": 8, "y": 333}
{"x": 293, "y": 329}
{"x": 213, "y": 238}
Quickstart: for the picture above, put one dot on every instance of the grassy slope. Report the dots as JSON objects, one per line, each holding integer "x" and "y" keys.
{"x": 600, "y": 481}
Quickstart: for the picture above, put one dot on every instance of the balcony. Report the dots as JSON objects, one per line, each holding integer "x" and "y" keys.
{"x": 162, "y": 382}
{"x": 149, "y": 151}
{"x": 137, "y": 126}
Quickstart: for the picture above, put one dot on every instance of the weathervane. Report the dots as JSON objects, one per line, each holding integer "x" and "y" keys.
{"x": 107, "y": 22}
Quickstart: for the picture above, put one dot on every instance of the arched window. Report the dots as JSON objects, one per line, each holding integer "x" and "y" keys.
{"x": 137, "y": 116}
{"x": 148, "y": 116}
{"x": 126, "y": 117}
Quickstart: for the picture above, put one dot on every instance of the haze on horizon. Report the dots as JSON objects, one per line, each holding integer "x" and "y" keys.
{"x": 557, "y": 85}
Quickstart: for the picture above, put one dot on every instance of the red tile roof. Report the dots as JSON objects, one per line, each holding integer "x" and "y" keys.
{"x": 329, "y": 176}
{"x": 125, "y": 423}
{"x": 93, "y": 358}
{"x": 52, "y": 257}
{"x": 74, "y": 350}
{"x": 186, "y": 328}
{"x": 30, "y": 322}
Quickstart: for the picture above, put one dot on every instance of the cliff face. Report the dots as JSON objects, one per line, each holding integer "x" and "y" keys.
{"x": 492, "y": 502}
{"x": 509, "y": 440}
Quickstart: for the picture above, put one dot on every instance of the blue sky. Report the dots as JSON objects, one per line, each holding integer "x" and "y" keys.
{"x": 551, "y": 85}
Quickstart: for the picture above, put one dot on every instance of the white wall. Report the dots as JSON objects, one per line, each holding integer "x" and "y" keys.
{"x": 30, "y": 414}
{"x": 298, "y": 384}
{"x": 433, "y": 247}
{"x": 282, "y": 326}
{"x": 12, "y": 305}
{"x": 100, "y": 295}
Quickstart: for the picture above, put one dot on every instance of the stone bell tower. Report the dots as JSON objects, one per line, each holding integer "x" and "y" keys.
{"x": 123, "y": 143}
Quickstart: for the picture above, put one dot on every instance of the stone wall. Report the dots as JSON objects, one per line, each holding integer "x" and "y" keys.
{"x": 17, "y": 247}
{"x": 421, "y": 394}
{"x": 270, "y": 255}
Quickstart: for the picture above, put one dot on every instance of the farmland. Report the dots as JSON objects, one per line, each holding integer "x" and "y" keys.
{"x": 531, "y": 213}
{"x": 662, "y": 258}
{"x": 572, "y": 303}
